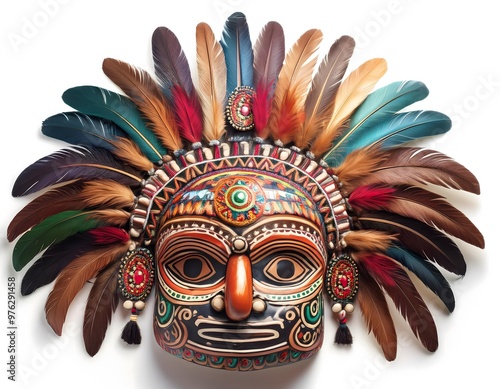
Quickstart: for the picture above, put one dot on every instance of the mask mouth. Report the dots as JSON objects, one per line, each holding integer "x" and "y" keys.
{"x": 246, "y": 337}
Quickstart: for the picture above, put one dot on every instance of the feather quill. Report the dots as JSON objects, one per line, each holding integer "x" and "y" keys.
{"x": 419, "y": 238}
{"x": 287, "y": 110}
{"x": 351, "y": 93}
{"x": 120, "y": 110}
{"x": 406, "y": 298}
{"x": 101, "y": 304}
{"x": 426, "y": 272}
{"x": 72, "y": 279}
{"x": 76, "y": 195}
{"x": 212, "y": 82}
{"x": 373, "y": 306}
{"x": 408, "y": 166}
{"x": 269, "y": 54}
{"x": 83, "y": 130}
{"x": 238, "y": 52}
{"x": 321, "y": 96}
{"x": 58, "y": 227}
{"x": 73, "y": 164}
{"x": 146, "y": 94}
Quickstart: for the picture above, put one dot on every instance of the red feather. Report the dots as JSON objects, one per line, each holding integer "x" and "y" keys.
{"x": 109, "y": 235}
{"x": 380, "y": 267}
{"x": 370, "y": 197}
{"x": 261, "y": 108}
{"x": 188, "y": 115}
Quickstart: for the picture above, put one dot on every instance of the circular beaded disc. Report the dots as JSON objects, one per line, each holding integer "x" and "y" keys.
{"x": 342, "y": 279}
{"x": 239, "y": 108}
{"x": 136, "y": 274}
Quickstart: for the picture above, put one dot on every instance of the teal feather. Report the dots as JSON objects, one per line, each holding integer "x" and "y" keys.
{"x": 238, "y": 52}
{"x": 83, "y": 130}
{"x": 109, "y": 105}
{"x": 399, "y": 129}
{"x": 426, "y": 272}
{"x": 53, "y": 229}
{"x": 384, "y": 102}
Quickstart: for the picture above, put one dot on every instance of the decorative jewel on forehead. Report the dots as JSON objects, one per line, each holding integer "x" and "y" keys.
{"x": 239, "y": 200}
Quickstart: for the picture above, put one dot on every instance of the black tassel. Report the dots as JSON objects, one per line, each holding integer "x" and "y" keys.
{"x": 131, "y": 332}
{"x": 343, "y": 335}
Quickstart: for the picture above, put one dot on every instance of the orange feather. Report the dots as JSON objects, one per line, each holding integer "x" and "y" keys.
{"x": 147, "y": 95}
{"x": 351, "y": 93}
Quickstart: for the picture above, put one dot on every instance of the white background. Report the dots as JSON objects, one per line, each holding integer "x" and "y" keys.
{"x": 49, "y": 45}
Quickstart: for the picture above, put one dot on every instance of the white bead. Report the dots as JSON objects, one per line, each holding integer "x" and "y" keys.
{"x": 258, "y": 305}
{"x": 337, "y": 307}
{"x": 127, "y": 304}
{"x": 139, "y": 305}
{"x": 349, "y": 308}
{"x": 217, "y": 303}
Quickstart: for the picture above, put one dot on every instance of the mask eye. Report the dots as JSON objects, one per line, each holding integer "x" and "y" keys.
{"x": 285, "y": 270}
{"x": 192, "y": 260}
{"x": 194, "y": 268}
{"x": 287, "y": 261}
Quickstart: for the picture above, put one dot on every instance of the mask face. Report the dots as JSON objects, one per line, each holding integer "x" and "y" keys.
{"x": 240, "y": 263}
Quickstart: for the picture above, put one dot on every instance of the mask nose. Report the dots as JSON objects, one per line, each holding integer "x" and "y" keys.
{"x": 239, "y": 289}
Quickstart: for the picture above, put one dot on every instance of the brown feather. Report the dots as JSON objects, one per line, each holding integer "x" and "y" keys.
{"x": 375, "y": 310}
{"x": 73, "y": 196}
{"x": 287, "y": 115}
{"x": 128, "y": 151}
{"x": 356, "y": 165}
{"x": 72, "y": 279}
{"x": 368, "y": 240}
{"x": 212, "y": 75}
{"x": 113, "y": 217}
{"x": 106, "y": 194}
{"x": 414, "y": 165}
{"x": 321, "y": 96}
{"x": 434, "y": 210}
{"x": 409, "y": 303}
{"x": 101, "y": 304}
{"x": 147, "y": 95}
{"x": 351, "y": 93}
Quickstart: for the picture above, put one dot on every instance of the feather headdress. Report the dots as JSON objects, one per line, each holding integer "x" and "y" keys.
{"x": 102, "y": 197}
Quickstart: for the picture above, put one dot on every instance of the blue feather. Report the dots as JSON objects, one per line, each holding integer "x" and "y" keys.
{"x": 379, "y": 106}
{"x": 83, "y": 130}
{"x": 400, "y": 128}
{"x": 238, "y": 52}
{"x": 386, "y": 101}
{"x": 119, "y": 109}
{"x": 426, "y": 272}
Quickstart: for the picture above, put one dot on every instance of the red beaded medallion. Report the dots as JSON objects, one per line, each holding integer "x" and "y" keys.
{"x": 342, "y": 279}
{"x": 136, "y": 274}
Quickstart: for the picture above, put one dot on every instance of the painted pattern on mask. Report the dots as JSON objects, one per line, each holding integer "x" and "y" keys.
{"x": 286, "y": 258}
